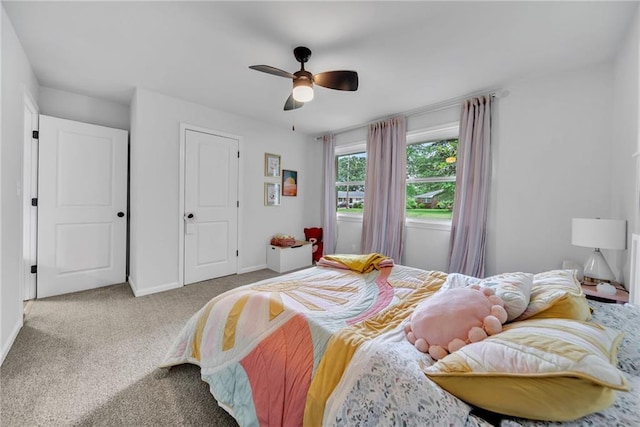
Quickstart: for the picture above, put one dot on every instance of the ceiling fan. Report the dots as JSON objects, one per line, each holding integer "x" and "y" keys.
{"x": 303, "y": 80}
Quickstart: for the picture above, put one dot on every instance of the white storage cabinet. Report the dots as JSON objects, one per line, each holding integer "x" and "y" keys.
{"x": 283, "y": 259}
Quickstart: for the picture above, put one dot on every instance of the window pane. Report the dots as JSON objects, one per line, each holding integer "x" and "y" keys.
{"x": 351, "y": 167}
{"x": 350, "y": 173}
{"x": 431, "y": 200}
{"x": 350, "y": 198}
{"x": 433, "y": 160}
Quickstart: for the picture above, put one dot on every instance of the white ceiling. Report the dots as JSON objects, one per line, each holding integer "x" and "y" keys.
{"x": 408, "y": 54}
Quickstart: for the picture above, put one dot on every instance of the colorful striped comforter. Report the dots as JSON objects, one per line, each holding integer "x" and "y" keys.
{"x": 275, "y": 351}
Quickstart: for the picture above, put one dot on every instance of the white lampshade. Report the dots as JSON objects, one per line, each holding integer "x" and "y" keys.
{"x": 599, "y": 233}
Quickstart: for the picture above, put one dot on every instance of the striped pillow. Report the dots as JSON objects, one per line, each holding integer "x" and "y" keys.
{"x": 546, "y": 369}
{"x": 557, "y": 294}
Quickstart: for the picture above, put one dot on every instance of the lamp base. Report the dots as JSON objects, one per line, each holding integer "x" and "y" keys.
{"x": 597, "y": 270}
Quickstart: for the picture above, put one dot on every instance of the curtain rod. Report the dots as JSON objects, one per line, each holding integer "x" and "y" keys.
{"x": 443, "y": 105}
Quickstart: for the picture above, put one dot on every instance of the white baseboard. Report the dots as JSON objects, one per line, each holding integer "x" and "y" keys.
{"x": 253, "y": 268}
{"x": 174, "y": 285}
{"x": 14, "y": 334}
{"x": 148, "y": 291}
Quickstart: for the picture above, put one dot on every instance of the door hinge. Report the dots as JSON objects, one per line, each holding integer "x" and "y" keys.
{"x": 236, "y": 253}
{"x": 238, "y": 204}
{"x": 34, "y": 201}
{"x": 238, "y": 154}
{"x": 35, "y": 134}
{"x": 34, "y": 269}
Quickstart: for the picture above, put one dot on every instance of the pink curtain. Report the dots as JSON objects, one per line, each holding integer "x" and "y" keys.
{"x": 469, "y": 223}
{"x": 329, "y": 223}
{"x": 385, "y": 188}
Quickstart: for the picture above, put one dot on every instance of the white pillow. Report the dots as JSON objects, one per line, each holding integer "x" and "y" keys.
{"x": 457, "y": 280}
{"x": 514, "y": 289}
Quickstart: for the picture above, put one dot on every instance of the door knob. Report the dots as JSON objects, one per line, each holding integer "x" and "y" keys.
{"x": 120, "y": 214}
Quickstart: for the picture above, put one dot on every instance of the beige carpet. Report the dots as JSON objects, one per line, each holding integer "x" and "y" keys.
{"x": 90, "y": 358}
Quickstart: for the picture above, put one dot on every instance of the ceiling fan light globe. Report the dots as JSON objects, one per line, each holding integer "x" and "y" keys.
{"x": 303, "y": 93}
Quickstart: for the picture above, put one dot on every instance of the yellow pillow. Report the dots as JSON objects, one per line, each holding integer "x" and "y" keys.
{"x": 545, "y": 369}
{"x": 556, "y": 294}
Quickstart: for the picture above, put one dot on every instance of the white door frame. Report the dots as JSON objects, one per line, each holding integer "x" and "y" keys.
{"x": 183, "y": 141}
{"x": 29, "y": 191}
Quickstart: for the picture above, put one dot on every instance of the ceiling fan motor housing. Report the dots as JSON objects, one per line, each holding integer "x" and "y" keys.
{"x": 302, "y": 54}
{"x": 302, "y": 75}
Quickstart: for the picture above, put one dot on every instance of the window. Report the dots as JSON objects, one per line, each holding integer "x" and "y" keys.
{"x": 431, "y": 175}
{"x": 350, "y": 169}
{"x": 431, "y": 178}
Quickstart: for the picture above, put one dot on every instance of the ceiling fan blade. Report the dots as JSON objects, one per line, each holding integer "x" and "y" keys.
{"x": 339, "y": 80}
{"x": 292, "y": 104}
{"x": 272, "y": 70}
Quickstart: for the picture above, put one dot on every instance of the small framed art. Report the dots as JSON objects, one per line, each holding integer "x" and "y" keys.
{"x": 271, "y": 194}
{"x": 289, "y": 183}
{"x": 271, "y": 164}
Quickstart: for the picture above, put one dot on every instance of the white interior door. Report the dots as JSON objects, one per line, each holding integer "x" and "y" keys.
{"x": 211, "y": 210}
{"x": 82, "y": 205}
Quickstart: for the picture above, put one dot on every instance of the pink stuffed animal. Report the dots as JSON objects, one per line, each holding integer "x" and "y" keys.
{"x": 453, "y": 318}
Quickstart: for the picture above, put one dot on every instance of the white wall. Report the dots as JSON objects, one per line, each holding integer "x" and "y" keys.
{"x": 552, "y": 160}
{"x": 155, "y": 121}
{"x": 552, "y": 157}
{"x": 17, "y": 76}
{"x": 81, "y": 108}
{"x": 624, "y": 142}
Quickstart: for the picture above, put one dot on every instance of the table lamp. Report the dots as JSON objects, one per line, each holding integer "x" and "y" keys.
{"x": 599, "y": 234}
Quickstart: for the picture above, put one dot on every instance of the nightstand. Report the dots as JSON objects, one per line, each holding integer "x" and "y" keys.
{"x": 620, "y": 297}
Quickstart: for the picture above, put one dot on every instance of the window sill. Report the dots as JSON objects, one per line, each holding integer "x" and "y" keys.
{"x": 349, "y": 217}
{"x": 433, "y": 224}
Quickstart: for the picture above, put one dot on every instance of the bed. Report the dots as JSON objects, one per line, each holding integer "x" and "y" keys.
{"x": 327, "y": 346}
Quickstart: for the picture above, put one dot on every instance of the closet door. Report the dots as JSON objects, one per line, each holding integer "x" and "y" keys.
{"x": 211, "y": 206}
{"x": 82, "y": 205}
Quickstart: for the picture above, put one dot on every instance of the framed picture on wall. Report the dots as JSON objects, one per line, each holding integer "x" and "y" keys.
{"x": 271, "y": 164}
{"x": 289, "y": 183}
{"x": 271, "y": 194}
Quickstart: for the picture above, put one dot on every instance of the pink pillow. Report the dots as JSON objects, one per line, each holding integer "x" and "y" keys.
{"x": 452, "y": 318}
